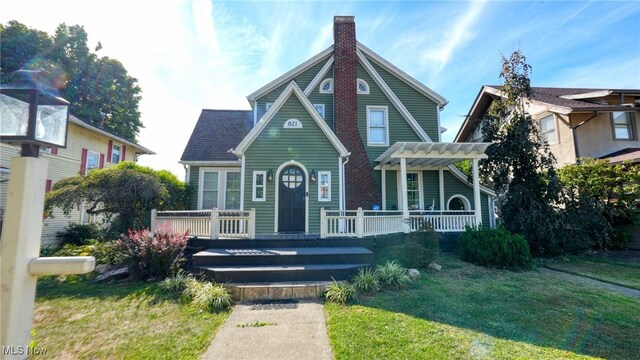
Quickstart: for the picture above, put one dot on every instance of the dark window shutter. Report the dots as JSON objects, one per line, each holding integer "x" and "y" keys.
{"x": 54, "y": 151}
{"x": 123, "y": 155}
{"x": 101, "y": 161}
{"x": 83, "y": 162}
{"x": 47, "y": 186}
{"x": 109, "y": 150}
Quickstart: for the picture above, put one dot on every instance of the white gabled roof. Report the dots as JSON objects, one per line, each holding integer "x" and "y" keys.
{"x": 291, "y": 74}
{"x": 420, "y": 87}
{"x": 292, "y": 88}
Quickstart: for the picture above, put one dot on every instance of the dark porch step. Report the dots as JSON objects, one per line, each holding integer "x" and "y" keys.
{"x": 283, "y": 256}
{"x": 271, "y": 274}
{"x": 266, "y": 241}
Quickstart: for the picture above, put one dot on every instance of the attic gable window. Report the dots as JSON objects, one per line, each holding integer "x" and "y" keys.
{"x": 622, "y": 125}
{"x": 267, "y": 106}
{"x": 363, "y": 87}
{"x": 319, "y": 109}
{"x": 326, "y": 86}
{"x": 548, "y": 129}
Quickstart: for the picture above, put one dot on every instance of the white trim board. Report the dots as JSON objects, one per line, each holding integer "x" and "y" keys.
{"x": 292, "y": 88}
{"x": 316, "y": 80}
{"x": 393, "y": 98}
{"x": 289, "y": 75}
{"x": 408, "y": 79}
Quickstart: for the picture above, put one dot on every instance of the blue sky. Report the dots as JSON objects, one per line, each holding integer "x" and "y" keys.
{"x": 189, "y": 55}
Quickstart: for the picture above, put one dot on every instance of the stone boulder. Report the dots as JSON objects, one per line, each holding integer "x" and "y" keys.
{"x": 413, "y": 274}
{"x": 435, "y": 266}
{"x": 113, "y": 275}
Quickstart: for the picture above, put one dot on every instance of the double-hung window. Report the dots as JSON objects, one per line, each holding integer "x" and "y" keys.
{"x": 93, "y": 161}
{"x": 324, "y": 186}
{"x": 219, "y": 189}
{"x": 377, "y": 126}
{"x": 548, "y": 129}
{"x": 115, "y": 154}
{"x": 259, "y": 185}
{"x": 413, "y": 191}
{"x": 622, "y": 125}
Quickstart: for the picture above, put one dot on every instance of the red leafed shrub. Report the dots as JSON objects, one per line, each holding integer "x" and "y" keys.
{"x": 154, "y": 256}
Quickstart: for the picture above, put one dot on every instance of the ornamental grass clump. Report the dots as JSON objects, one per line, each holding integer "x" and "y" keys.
{"x": 392, "y": 274}
{"x": 154, "y": 255}
{"x": 340, "y": 292}
{"x": 207, "y": 296}
{"x": 366, "y": 281}
{"x": 176, "y": 283}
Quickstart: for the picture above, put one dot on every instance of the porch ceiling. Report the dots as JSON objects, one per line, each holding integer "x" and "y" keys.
{"x": 432, "y": 154}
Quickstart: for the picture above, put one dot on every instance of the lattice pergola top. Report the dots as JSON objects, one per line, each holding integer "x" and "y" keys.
{"x": 432, "y": 154}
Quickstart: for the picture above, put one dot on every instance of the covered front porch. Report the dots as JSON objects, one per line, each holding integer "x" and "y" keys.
{"x": 408, "y": 215}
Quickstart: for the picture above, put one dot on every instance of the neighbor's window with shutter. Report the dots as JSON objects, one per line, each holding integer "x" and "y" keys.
{"x": 622, "y": 125}
{"x": 377, "y": 126}
{"x": 324, "y": 186}
{"x": 93, "y": 161}
{"x": 115, "y": 154}
{"x": 548, "y": 129}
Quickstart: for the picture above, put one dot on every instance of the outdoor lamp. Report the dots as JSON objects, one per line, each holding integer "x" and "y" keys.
{"x": 313, "y": 175}
{"x": 270, "y": 175}
{"x": 32, "y": 112}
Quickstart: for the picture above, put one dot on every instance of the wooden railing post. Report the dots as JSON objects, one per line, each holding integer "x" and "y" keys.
{"x": 215, "y": 224}
{"x": 360, "y": 223}
{"x": 323, "y": 223}
{"x": 153, "y": 220}
{"x": 252, "y": 224}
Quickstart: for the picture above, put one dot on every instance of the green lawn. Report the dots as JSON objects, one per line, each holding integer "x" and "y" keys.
{"x": 625, "y": 273}
{"x": 468, "y": 312}
{"x": 78, "y": 318}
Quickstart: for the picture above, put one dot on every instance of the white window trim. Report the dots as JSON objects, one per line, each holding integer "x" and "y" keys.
{"x": 555, "y": 128}
{"x": 267, "y": 106}
{"x": 222, "y": 186}
{"x": 330, "y": 91}
{"x": 366, "y": 92}
{"x": 86, "y": 165}
{"x": 263, "y": 186}
{"x": 467, "y": 204}
{"x": 386, "y": 117}
{"x": 320, "y": 173}
{"x": 323, "y": 108}
{"x": 119, "y": 154}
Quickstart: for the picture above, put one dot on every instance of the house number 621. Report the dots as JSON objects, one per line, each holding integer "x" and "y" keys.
{"x": 293, "y": 124}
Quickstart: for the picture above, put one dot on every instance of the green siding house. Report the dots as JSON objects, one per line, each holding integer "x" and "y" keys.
{"x": 345, "y": 144}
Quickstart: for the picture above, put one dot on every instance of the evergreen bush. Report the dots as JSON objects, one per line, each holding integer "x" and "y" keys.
{"x": 494, "y": 248}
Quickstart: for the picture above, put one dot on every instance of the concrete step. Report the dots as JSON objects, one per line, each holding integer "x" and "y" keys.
{"x": 283, "y": 256}
{"x": 283, "y": 273}
{"x": 268, "y": 242}
{"x": 277, "y": 291}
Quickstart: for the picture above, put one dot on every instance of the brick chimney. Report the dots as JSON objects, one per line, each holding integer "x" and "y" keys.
{"x": 360, "y": 185}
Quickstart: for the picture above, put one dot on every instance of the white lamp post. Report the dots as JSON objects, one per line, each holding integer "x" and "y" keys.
{"x": 31, "y": 114}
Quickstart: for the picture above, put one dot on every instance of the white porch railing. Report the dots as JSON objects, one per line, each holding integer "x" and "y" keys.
{"x": 360, "y": 223}
{"x": 231, "y": 224}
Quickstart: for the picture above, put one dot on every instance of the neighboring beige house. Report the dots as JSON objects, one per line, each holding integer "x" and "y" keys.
{"x": 596, "y": 123}
{"x": 88, "y": 147}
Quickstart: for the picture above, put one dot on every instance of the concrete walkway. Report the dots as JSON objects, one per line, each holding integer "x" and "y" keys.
{"x": 281, "y": 330}
{"x": 590, "y": 281}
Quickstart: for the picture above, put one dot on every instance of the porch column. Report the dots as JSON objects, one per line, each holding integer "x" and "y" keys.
{"x": 403, "y": 191}
{"x": 476, "y": 192}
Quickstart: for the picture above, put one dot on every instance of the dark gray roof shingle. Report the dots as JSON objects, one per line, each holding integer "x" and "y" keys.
{"x": 215, "y": 133}
{"x": 552, "y": 96}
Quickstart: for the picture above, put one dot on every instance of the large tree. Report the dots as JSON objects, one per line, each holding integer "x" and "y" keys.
{"x": 99, "y": 88}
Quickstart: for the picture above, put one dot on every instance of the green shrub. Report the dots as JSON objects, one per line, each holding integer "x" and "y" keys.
{"x": 154, "y": 256}
{"x": 341, "y": 292}
{"x": 421, "y": 248}
{"x": 366, "y": 281}
{"x": 621, "y": 239}
{"x": 494, "y": 248}
{"x": 176, "y": 283}
{"x": 78, "y": 233}
{"x": 207, "y": 296}
{"x": 392, "y": 274}
{"x": 107, "y": 253}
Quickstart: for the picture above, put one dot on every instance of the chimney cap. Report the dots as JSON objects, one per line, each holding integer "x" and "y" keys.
{"x": 343, "y": 19}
